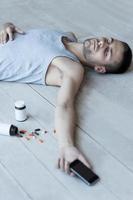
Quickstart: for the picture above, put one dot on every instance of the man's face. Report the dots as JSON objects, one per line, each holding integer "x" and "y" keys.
{"x": 102, "y": 51}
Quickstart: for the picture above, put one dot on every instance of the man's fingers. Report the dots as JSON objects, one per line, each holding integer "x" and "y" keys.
{"x": 62, "y": 164}
{"x": 2, "y": 35}
{"x": 67, "y": 167}
{"x": 72, "y": 174}
{"x": 4, "y": 38}
{"x": 18, "y": 30}
{"x": 9, "y": 32}
{"x": 10, "y": 35}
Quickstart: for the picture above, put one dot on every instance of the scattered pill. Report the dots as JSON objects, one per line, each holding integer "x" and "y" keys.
{"x": 37, "y": 129}
{"x": 19, "y": 135}
{"x": 40, "y": 140}
{"x": 22, "y": 131}
{"x": 36, "y": 133}
{"x": 27, "y": 138}
{"x": 31, "y": 134}
{"x": 34, "y": 137}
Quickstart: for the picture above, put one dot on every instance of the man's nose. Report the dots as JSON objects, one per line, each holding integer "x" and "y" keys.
{"x": 102, "y": 42}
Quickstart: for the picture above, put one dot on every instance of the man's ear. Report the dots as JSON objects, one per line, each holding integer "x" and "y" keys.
{"x": 100, "y": 69}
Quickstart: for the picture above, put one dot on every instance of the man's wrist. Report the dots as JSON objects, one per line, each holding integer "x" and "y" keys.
{"x": 66, "y": 144}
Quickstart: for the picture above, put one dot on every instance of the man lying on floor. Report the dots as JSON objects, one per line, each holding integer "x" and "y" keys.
{"x": 43, "y": 56}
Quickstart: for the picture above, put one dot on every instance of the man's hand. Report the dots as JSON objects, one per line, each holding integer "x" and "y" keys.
{"x": 67, "y": 155}
{"x": 8, "y": 32}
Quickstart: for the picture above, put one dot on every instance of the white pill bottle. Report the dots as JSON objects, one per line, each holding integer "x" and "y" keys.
{"x": 8, "y": 129}
{"x": 20, "y": 111}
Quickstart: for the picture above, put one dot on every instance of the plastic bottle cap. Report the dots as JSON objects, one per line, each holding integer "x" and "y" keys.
{"x": 13, "y": 130}
{"x": 19, "y": 104}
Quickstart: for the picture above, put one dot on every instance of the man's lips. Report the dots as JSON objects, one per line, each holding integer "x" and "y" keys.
{"x": 92, "y": 44}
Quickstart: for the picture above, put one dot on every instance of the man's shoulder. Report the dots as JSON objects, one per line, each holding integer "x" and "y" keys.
{"x": 68, "y": 65}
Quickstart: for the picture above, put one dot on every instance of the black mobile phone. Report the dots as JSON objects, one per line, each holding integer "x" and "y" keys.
{"x": 83, "y": 172}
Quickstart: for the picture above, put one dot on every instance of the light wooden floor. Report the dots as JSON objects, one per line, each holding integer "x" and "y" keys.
{"x": 104, "y": 110}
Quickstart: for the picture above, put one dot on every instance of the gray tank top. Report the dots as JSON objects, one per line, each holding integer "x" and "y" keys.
{"x": 27, "y": 57}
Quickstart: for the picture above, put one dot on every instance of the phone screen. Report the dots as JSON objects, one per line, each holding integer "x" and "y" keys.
{"x": 83, "y": 172}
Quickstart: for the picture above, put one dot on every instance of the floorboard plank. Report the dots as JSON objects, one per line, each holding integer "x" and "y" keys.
{"x": 9, "y": 188}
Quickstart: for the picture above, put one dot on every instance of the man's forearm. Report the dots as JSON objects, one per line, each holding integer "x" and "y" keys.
{"x": 65, "y": 124}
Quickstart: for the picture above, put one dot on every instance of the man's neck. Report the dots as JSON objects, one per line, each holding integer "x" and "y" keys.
{"x": 77, "y": 49}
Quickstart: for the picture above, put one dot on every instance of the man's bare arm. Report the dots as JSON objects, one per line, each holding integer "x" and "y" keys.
{"x": 65, "y": 119}
{"x": 8, "y": 32}
{"x": 64, "y": 114}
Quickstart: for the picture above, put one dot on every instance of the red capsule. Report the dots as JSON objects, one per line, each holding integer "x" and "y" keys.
{"x": 22, "y": 131}
{"x": 40, "y": 140}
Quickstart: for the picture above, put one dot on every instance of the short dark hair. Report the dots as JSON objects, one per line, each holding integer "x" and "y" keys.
{"x": 121, "y": 67}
